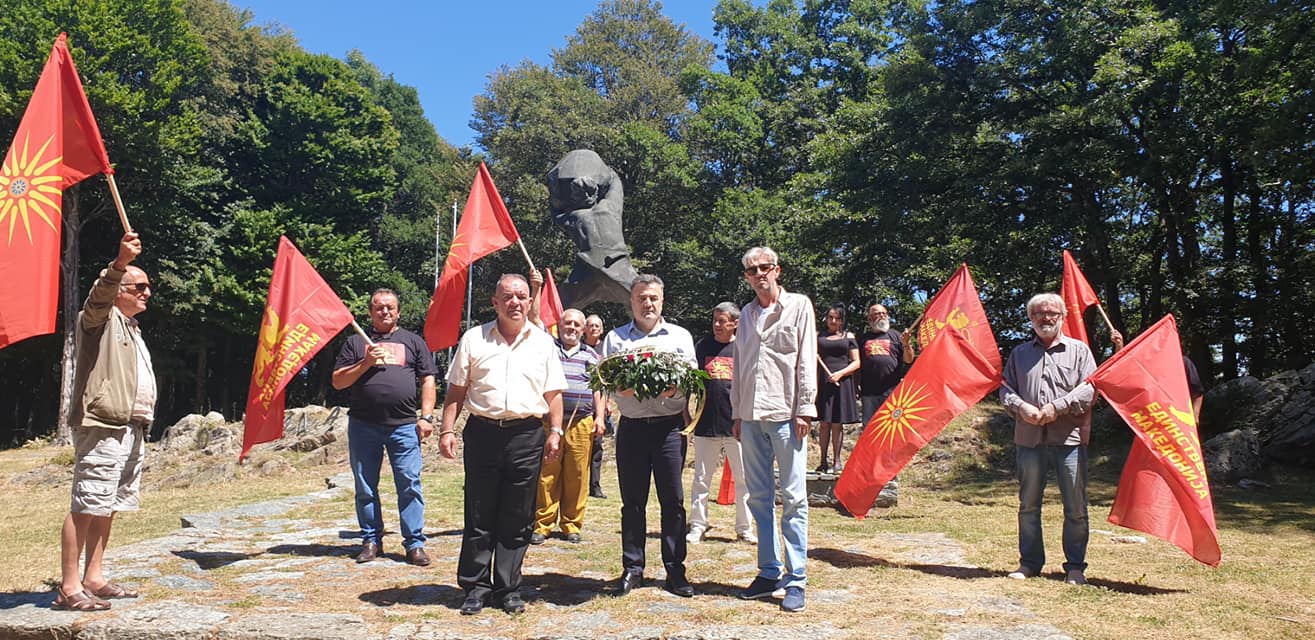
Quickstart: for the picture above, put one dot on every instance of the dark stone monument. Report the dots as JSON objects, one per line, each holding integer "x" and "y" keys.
{"x": 585, "y": 198}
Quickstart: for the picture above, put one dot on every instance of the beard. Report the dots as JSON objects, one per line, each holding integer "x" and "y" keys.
{"x": 1046, "y": 331}
{"x": 880, "y": 326}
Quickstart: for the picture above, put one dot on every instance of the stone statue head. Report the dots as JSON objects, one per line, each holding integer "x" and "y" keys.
{"x": 579, "y": 181}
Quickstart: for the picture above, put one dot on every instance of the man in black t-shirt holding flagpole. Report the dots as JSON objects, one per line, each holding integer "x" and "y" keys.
{"x": 383, "y": 377}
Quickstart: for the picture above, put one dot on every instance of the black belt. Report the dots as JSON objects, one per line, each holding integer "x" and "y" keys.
{"x": 654, "y": 419}
{"x": 509, "y": 423}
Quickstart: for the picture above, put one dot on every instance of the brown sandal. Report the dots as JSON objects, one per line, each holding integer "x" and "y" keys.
{"x": 112, "y": 590}
{"x": 80, "y": 601}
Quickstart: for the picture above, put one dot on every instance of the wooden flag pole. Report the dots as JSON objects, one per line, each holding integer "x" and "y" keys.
{"x": 521, "y": 243}
{"x": 1100, "y": 307}
{"x": 361, "y": 332}
{"x": 825, "y": 368}
{"x": 118, "y": 203}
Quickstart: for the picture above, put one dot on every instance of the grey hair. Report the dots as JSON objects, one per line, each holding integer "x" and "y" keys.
{"x": 577, "y": 312}
{"x": 647, "y": 279}
{"x": 1043, "y": 298}
{"x": 727, "y": 308}
{"x": 759, "y": 251}
{"x": 512, "y": 276}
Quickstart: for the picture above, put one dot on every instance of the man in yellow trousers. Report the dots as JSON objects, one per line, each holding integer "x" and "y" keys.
{"x": 564, "y": 482}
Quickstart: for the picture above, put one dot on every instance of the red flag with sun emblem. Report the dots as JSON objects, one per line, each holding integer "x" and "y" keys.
{"x": 957, "y": 305}
{"x": 1163, "y": 490}
{"x": 57, "y": 145}
{"x": 485, "y": 227}
{"x": 302, "y": 313}
{"x": 947, "y": 378}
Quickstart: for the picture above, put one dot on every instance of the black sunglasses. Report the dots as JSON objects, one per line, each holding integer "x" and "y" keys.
{"x": 139, "y": 287}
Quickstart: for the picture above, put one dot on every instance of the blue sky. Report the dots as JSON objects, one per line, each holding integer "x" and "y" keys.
{"x": 446, "y": 49}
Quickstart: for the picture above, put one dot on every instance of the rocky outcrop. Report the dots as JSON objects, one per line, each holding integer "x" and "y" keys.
{"x": 1280, "y": 410}
{"x": 1233, "y": 456}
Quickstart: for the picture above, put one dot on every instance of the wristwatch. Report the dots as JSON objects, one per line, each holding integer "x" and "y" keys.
{"x": 428, "y": 418}
{"x": 557, "y": 430}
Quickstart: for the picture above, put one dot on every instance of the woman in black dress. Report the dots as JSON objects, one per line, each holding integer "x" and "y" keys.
{"x": 837, "y": 353}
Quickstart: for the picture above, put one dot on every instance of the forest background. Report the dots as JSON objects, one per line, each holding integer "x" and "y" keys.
{"x": 876, "y": 144}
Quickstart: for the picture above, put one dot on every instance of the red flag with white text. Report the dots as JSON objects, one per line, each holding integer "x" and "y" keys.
{"x": 485, "y": 227}
{"x": 950, "y": 376}
{"x": 957, "y": 305}
{"x": 57, "y": 145}
{"x": 302, "y": 314}
{"x": 1163, "y": 490}
{"x": 1078, "y": 296}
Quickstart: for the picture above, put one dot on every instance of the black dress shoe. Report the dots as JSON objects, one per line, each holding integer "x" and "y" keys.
{"x": 513, "y": 604}
{"x": 626, "y": 582}
{"x": 680, "y": 587}
{"x": 369, "y": 551}
{"x": 472, "y": 605}
{"x": 598, "y": 494}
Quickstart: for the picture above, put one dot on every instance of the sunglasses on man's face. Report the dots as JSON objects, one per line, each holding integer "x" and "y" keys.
{"x": 758, "y": 268}
{"x": 136, "y": 287}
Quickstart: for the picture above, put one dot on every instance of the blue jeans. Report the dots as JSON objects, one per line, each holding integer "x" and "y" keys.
{"x": 761, "y": 443}
{"x": 1070, "y": 464}
{"x": 366, "y": 443}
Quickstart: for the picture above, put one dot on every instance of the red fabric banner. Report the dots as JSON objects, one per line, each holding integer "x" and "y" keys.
{"x": 57, "y": 145}
{"x": 302, "y": 314}
{"x": 1163, "y": 490}
{"x": 950, "y": 376}
{"x": 1078, "y": 296}
{"x": 485, "y": 227}
{"x": 957, "y": 305}
{"x": 726, "y": 493}
{"x": 550, "y": 308}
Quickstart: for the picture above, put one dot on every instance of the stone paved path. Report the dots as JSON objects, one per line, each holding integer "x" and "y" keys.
{"x": 251, "y": 573}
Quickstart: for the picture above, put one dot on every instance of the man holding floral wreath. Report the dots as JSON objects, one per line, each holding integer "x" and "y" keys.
{"x": 649, "y": 442}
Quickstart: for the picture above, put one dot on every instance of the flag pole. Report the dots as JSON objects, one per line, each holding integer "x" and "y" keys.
{"x": 521, "y": 243}
{"x": 1101, "y": 308}
{"x": 361, "y": 332}
{"x": 118, "y": 203}
{"x": 825, "y": 368}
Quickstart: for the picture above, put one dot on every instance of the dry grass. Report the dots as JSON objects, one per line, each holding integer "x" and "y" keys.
{"x": 924, "y": 569}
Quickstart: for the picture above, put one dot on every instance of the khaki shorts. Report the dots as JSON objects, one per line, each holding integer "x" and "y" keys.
{"x": 107, "y": 476}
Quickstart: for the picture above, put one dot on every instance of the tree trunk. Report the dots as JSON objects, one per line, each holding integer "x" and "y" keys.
{"x": 1230, "y": 299}
{"x": 1261, "y": 319}
{"x": 200, "y": 402}
{"x": 68, "y": 296}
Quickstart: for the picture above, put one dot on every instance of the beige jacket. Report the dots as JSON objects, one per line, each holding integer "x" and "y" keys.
{"x": 105, "y": 377}
{"x": 776, "y": 361}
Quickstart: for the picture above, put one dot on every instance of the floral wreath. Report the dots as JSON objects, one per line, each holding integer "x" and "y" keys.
{"x": 648, "y": 373}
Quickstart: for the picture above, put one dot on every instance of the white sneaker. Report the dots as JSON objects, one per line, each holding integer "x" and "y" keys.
{"x": 695, "y": 536}
{"x": 1021, "y": 573}
{"x": 747, "y": 536}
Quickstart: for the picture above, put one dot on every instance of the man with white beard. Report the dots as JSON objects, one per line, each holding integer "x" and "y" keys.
{"x": 1046, "y": 391}
{"x": 883, "y": 355}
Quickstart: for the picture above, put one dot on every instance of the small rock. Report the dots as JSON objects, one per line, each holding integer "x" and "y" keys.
{"x": 1128, "y": 539}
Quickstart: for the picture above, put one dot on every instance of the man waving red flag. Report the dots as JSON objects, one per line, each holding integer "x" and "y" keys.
{"x": 57, "y": 145}
{"x": 485, "y": 227}
{"x": 950, "y": 376}
{"x": 302, "y": 313}
{"x": 1078, "y": 297}
{"x": 1163, "y": 490}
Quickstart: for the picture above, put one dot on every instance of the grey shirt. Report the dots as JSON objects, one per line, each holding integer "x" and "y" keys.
{"x": 1056, "y": 375}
